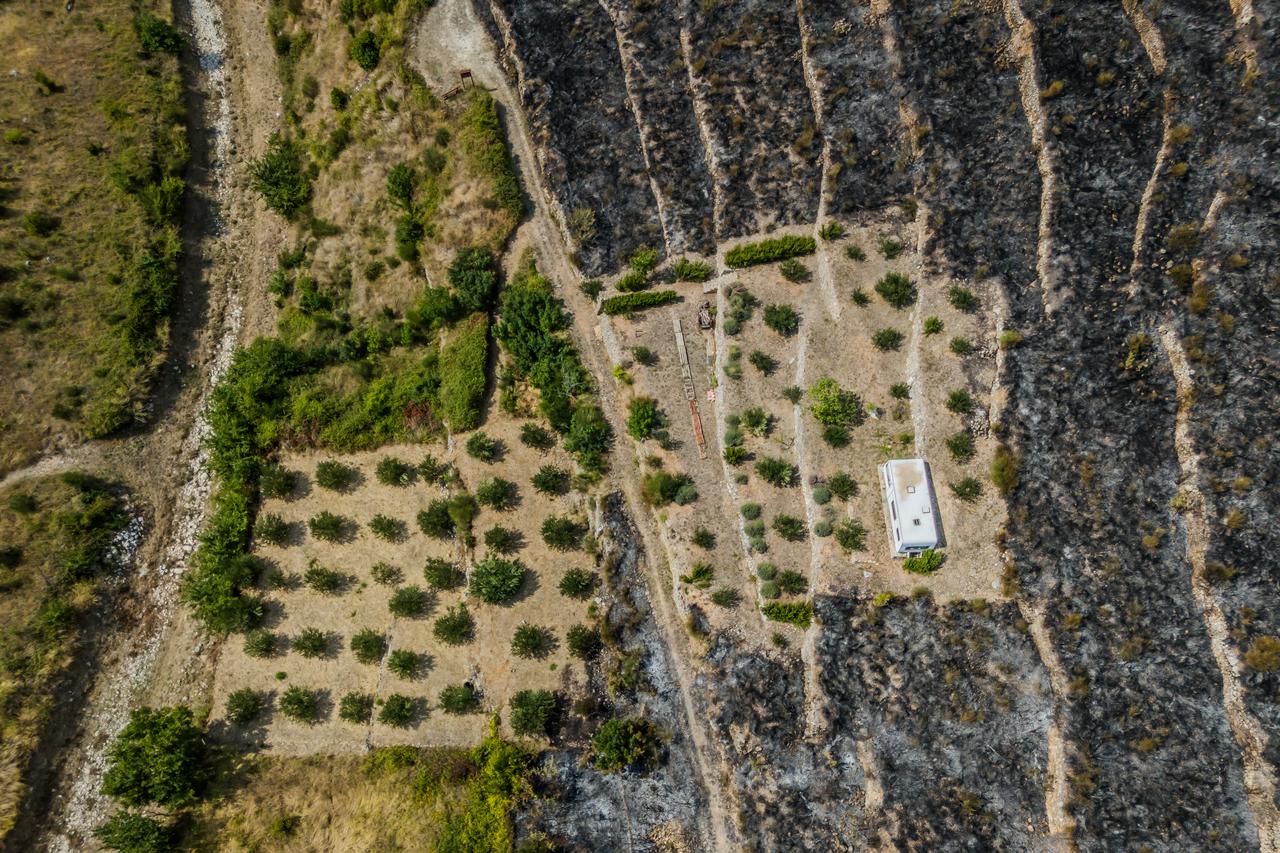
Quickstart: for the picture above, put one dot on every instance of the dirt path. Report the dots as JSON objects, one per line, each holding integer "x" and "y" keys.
{"x": 452, "y": 29}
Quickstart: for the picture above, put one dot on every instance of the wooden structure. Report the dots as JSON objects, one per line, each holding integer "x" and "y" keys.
{"x": 689, "y": 394}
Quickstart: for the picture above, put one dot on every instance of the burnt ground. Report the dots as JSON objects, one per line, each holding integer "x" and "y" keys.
{"x": 1136, "y": 235}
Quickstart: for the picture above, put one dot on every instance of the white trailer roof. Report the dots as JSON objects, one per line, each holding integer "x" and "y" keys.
{"x": 908, "y": 505}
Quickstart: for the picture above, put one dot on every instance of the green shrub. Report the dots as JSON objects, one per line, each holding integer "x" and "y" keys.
{"x": 854, "y": 252}
{"x": 311, "y": 643}
{"x": 532, "y": 711}
{"x": 842, "y": 486}
{"x": 687, "y": 270}
{"x": 23, "y": 503}
{"x": 535, "y": 436}
{"x": 890, "y": 248}
{"x": 798, "y": 613}
{"x": 277, "y": 481}
{"x": 736, "y": 455}
{"x": 551, "y": 480}
{"x": 704, "y": 539}
{"x": 434, "y": 521}
{"x": 328, "y": 527}
{"x": 1009, "y": 339}
{"x": 280, "y": 177}
{"x": 1005, "y": 470}
{"x": 497, "y": 494}
{"x": 244, "y": 705}
{"x": 483, "y": 448}
{"x": 335, "y": 476}
{"x": 271, "y": 529}
{"x": 497, "y": 581}
{"x": 900, "y": 391}
{"x": 355, "y": 707}
{"x": 366, "y": 50}
{"x": 777, "y": 472}
{"x": 962, "y": 299}
{"x": 624, "y": 742}
{"x": 532, "y": 642}
{"x": 398, "y": 710}
{"x": 897, "y": 289}
{"x": 750, "y": 511}
{"x": 925, "y": 563}
{"x": 503, "y": 540}
{"x": 400, "y": 181}
{"x": 763, "y": 362}
{"x": 700, "y": 575}
{"x": 831, "y": 230}
{"x": 441, "y": 574}
{"x": 462, "y": 510}
{"x": 960, "y": 401}
{"x": 456, "y": 627}
{"x": 632, "y": 282}
{"x": 793, "y": 271}
{"x": 661, "y": 488}
{"x": 628, "y": 302}
{"x": 260, "y": 644}
{"x": 822, "y": 529}
{"x": 833, "y": 406}
{"x": 591, "y": 288}
{"x": 394, "y": 472}
{"x": 967, "y": 489}
{"x": 783, "y": 319}
{"x": 792, "y": 583}
{"x": 770, "y": 590}
{"x": 757, "y": 421}
{"x": 473, "y": 275}
{"x": 404, "y": 663}
{"x": 130, "y": 832}
{"x": 300, "y": 705}
{"x": 887, "y": 339}
{"x": 851, "y": 535}
{"x": 644, "y": 418}
{"x": 159, "y": 757}
{"x": 407, "y": 602}
{"x": 766, "y": 571}
{"x": 577, "y": 583}
{"x": 387, "y": 528}
{"x": 961, "y": 346}
{"x": 385, "y": 574}
{"x": 483, "y": 140}
{"x": 368, "y": 646}
{"x": 821, "y": 495}
{"x": 726, "y": 597}
{"x": 740, "y": 307}
{"x": 789, "y": 527}
{"x": 459, "y": 699}
{"x": 562, "y": 533}
{"x": 462, "y": 375}
{"x": 860, "y": 297}
{"x": 583, "y": 642}
{"x": 323, "y": 580}
{"x": 933, "y": 326}
{"x": 767, "y": 251}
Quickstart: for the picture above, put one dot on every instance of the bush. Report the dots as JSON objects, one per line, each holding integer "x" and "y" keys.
{"x": 311, "y": 643}
{"x": 822, "y": 529}
{"x": 756, "y": 421}
{"x": 532, "y": 642}
{"x": 777, "y": 472}
{"x": 387, "y": 528}
{"x": 355, "y": 707}
{"x": 628, "y": 302}
{"x": 1263, "y": 654}
{"x": 767, "y": 251}
{"x": 583, "y": 642}
{"x": 260, "y": 644}
{"x": 700, "y": 575}
{"x": 497, "y": 494}
{"x": 890, "y": 248}
{"x": 770, "y": 590}
{"x": 961, "y": 346}
{"x": 130, "y": 832}
{"x": 456, "y": 627}
{"x": 704, "y": 539}
{"x": 643, "y": 418}
{"x": 335, "y": 476}
{"x": 321, "y": 579}
{"x": 271, "y": 529}
{"x": 368, "y": 646}
{"x": 736, "y": 455}
{"x": 632, "y": 282}
{"x": 854, "y": 252}
{"x": 821, "y": 495}
{"x": 459, "y": 699}
{"x": 562, "y": 533}
{"x": 960, "y": 401}
{"x": 833, "y": 406}
{"x": 887, "y": 339}
{"x": 277, "y": 481}
{"x": 497, "y": 581}
{"x": 300, "y": 705}
{"x": 435, "y": 521}
{"x": 961, "y": 446}
{"x": 279, "y": 176}
{"x": 726, "y": 597}
{"x": 1004, "y": 470}
{"x": 400, "y": 180}
{"x": 739, "y": 310}
{"x": 503, "y": 540}
{"x": 860, "y": 297}
{"x": 365, "y": 50}
{"x": 394, "y": 472}
{"x": 792, "y": 583}
{"x": 933, "y": 325}
{"x": 783, "y": 319}
{"x": 967, "y": 490}
{"x": 577, "y": 583}
{"x": 404, "y": 663}
{"x": 831, "y": 230}
{"x": 328, "y": 527}
{"x": 687, "y": 270}
{"x": 441, "y": 574}
{"x": 851, "y": 535}
{"x": 535, "y": 436}
{"x": 398, "y": 710}
{"x": 159, "y": 757}
{"x": 900, "y": 391}
{"x": 661, "y": 488}
{"x": 483, "y": 448}
{"x": 531, "y": 711}
{"x": 962, "y": 299}
{"x": 385, "y": 574}
{"x": 798, "y": 613}
{"x": 842, "y": 486}
{"x": 897, "y": 289}
{"x": 793, "y": 271}
{"x": 750, "y": 511}
{"x": 462, "y": 510}
{"x": 1009, "y": 339}
{"x": 244, "y": 706}
{"x": 551, "y": 480}
{"x": 763, "y": 362}
{"x": 407, "y": 602}
{"x": 766, "y": 571}
{"x": 789, "y": 527}
{"x": 624, "y": 742}
{"x": 925, "y": 563}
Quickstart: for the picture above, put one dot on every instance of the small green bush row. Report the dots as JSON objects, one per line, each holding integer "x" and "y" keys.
{"x": 798, "y": 613}
{"x": 767, "y": 251}
{"x": 628, "y": 302}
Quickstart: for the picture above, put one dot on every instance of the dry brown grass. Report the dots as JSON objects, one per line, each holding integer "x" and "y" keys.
{"x": 64, "y": 355}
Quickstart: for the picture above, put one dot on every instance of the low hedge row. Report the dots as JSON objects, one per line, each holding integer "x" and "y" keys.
{"x": 627, "y": 302}
{"x": 766, "y": 251}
